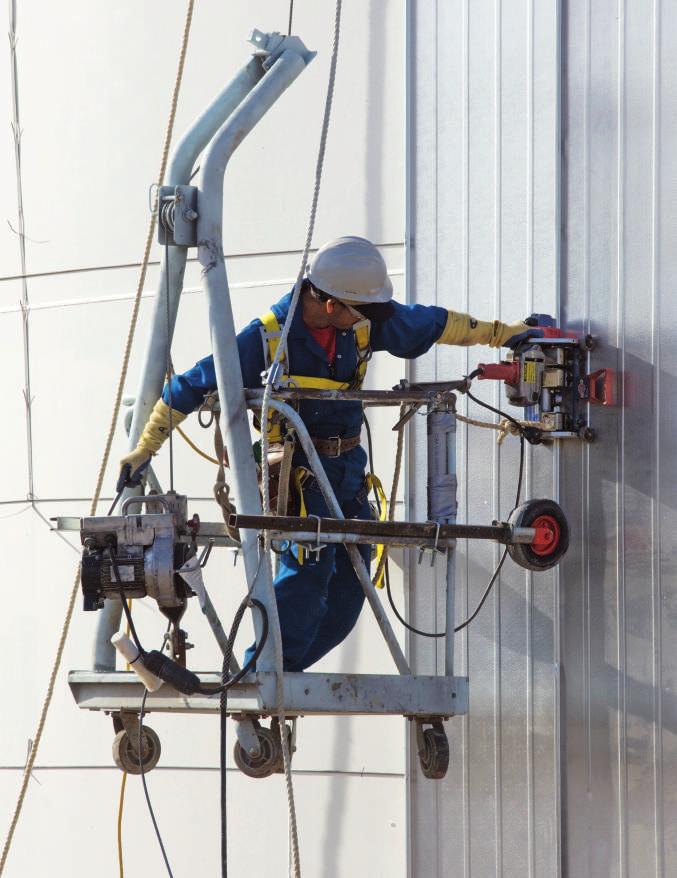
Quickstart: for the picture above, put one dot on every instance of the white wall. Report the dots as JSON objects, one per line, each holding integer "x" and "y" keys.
{"x": 94, "y": 90}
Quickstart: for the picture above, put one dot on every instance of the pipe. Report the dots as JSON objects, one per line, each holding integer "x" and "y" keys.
{"x": 353, "y": 552}
{"x": 233, "y": 415}
{"x": 163, "y": 320}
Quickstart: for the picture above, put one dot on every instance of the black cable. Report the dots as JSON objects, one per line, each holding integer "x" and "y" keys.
{"x": 485, "y": 405}
{"x": 125, "y": 607}
{"x": 226, "y": 683}
{"x": 371, "y": 461}
{"x": 489, "y": 587}
{"x": 291, "y": 16}
{"x": 143, "y": 774}
{"x": 145, "y": 789}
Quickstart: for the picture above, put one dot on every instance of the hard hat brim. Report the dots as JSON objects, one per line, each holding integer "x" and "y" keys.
{"x": 384, "y": 293}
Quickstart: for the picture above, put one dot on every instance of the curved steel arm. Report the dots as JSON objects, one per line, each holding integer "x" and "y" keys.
{"x": 164, "y": 312}
{"x": 234, "y": 421}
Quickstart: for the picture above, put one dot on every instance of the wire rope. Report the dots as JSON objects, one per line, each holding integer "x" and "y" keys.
{"x": 274, "y": 367}
{"x": 106, "y": 454}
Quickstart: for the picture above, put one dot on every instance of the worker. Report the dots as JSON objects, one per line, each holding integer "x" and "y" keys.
{"x": 345, "y": 313}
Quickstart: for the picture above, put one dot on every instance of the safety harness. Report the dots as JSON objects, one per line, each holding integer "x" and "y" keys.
{"x": 270, "y": 335}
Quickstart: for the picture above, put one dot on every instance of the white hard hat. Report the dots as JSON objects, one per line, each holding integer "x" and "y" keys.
{"x": 351, "y": 269}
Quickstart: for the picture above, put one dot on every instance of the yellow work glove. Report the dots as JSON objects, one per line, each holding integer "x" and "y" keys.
{"x": 462, "y": 329}
{"x": 155, "y": 432}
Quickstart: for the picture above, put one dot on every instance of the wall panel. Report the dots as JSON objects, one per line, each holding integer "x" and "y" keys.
{"x": 483, "y": 237}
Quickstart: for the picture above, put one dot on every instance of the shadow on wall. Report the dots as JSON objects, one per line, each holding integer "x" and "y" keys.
{"x": 373, "y": 165}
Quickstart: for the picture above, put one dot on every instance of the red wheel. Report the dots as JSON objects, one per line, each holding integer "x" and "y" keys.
{"x": 552, "y": 534}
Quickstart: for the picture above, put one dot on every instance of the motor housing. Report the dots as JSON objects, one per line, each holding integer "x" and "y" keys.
{"x": 144, "y": 549}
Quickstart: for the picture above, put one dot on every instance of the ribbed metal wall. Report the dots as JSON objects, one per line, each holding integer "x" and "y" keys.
{"x": 620, "y": 596}
{"x": 566, "y": 763}
{"x": 483, "y": 237}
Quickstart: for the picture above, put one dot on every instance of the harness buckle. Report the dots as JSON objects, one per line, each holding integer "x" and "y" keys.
{"x": 336, "y": 439}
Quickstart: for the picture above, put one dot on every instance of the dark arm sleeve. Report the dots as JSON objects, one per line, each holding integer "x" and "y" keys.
{"x": 190, "y": 388}
{"x": 410, "y": 331}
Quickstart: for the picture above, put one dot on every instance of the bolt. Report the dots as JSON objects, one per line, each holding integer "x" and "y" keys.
{"x": 190, "y": 214}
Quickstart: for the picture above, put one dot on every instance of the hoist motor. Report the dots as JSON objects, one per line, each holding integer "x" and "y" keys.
{"x": 547, "y": 376}
{"x": 137, "y": 555}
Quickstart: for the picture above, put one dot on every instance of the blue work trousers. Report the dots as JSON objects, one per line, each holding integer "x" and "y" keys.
{"x": 320, "y": 600}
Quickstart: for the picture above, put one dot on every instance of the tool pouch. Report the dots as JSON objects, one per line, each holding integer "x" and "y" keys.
{"x": 280, "y": 456}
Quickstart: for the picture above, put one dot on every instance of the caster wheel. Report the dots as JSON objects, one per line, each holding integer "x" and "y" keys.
{"x": 548, "y": 551}
{"x": 126, "y": 756}
{"x": 268, "y": 759}
{"x": 434, "y": 758}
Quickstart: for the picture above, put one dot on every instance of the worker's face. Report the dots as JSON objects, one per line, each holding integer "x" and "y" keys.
{"x": 340, "y": 315}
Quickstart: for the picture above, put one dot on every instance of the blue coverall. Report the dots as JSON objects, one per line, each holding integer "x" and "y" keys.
{"x": 320, "y": 600}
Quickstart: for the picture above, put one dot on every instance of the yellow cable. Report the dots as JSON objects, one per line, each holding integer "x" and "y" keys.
{"x": 195, "y": 447}
{"x": 30, "y": 762}
{"x": 120, "y": 808}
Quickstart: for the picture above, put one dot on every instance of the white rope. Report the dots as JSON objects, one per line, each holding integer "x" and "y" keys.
{"x": 104, "y": 462}
{"x": 286, "y": 758}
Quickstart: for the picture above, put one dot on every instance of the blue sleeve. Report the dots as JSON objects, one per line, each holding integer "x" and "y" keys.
{"x": 410, "y": 331}
{"x": 189, "y": 389}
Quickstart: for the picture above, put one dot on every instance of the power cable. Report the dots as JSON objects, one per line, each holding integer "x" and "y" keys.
{"x": 494, "y": 575}
{"x": 143, "y": 773}
{"x": 272, "y": 374}
{"x": 109, "y": 441}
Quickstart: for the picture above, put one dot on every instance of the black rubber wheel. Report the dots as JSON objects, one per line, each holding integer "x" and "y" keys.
{"x": 268, "y": 759}
{"x": 435, "y": 757}
{"x": 540, "y": 513}
{"x": 126, "y": 756}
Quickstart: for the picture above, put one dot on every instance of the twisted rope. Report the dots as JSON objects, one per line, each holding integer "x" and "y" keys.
{"x": 109, "y": 441}
{"x": 286, "y": 758}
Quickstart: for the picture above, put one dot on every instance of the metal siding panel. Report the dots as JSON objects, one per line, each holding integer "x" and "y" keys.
{"x": 665, "y": 475}
{"x": 617, "y": 620}
{"x": 483, "y": 113}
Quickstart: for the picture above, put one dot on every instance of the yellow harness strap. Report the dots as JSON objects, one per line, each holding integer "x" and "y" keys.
{"x": 300, "y": 476}
{"x": 373, "y": 483}
{"x": 362, "y": 331}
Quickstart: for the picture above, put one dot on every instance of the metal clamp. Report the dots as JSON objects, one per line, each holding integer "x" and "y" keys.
{"x": 435, "y": 546}
{"x": 317, "y": 548}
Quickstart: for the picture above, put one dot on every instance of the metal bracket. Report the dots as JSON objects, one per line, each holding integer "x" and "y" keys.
{"x": 272, "y": 45}
{"x": 177, "y": 216}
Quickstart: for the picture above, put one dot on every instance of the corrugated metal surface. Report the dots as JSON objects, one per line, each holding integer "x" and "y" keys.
{"x": 619, "y": 621}
{"x": 483, "y": 237}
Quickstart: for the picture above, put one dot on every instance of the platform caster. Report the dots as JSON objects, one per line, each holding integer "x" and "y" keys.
{"x": 433, "y": 750}
{"x": 126, "y": 754}
{"x": 269, "y": 757}
{"x": 548, "y": 551}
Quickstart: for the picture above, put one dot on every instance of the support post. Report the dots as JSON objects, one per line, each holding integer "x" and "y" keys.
{"x": 442, "y": 506}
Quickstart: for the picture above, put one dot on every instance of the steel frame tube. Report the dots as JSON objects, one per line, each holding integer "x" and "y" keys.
{"x": 376, "y": 531}
{"x": 353, "y": 552}
{"x": 163, "y": 319}
{"x": 375, "y": 397}
{"x": 233, "y": 415}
